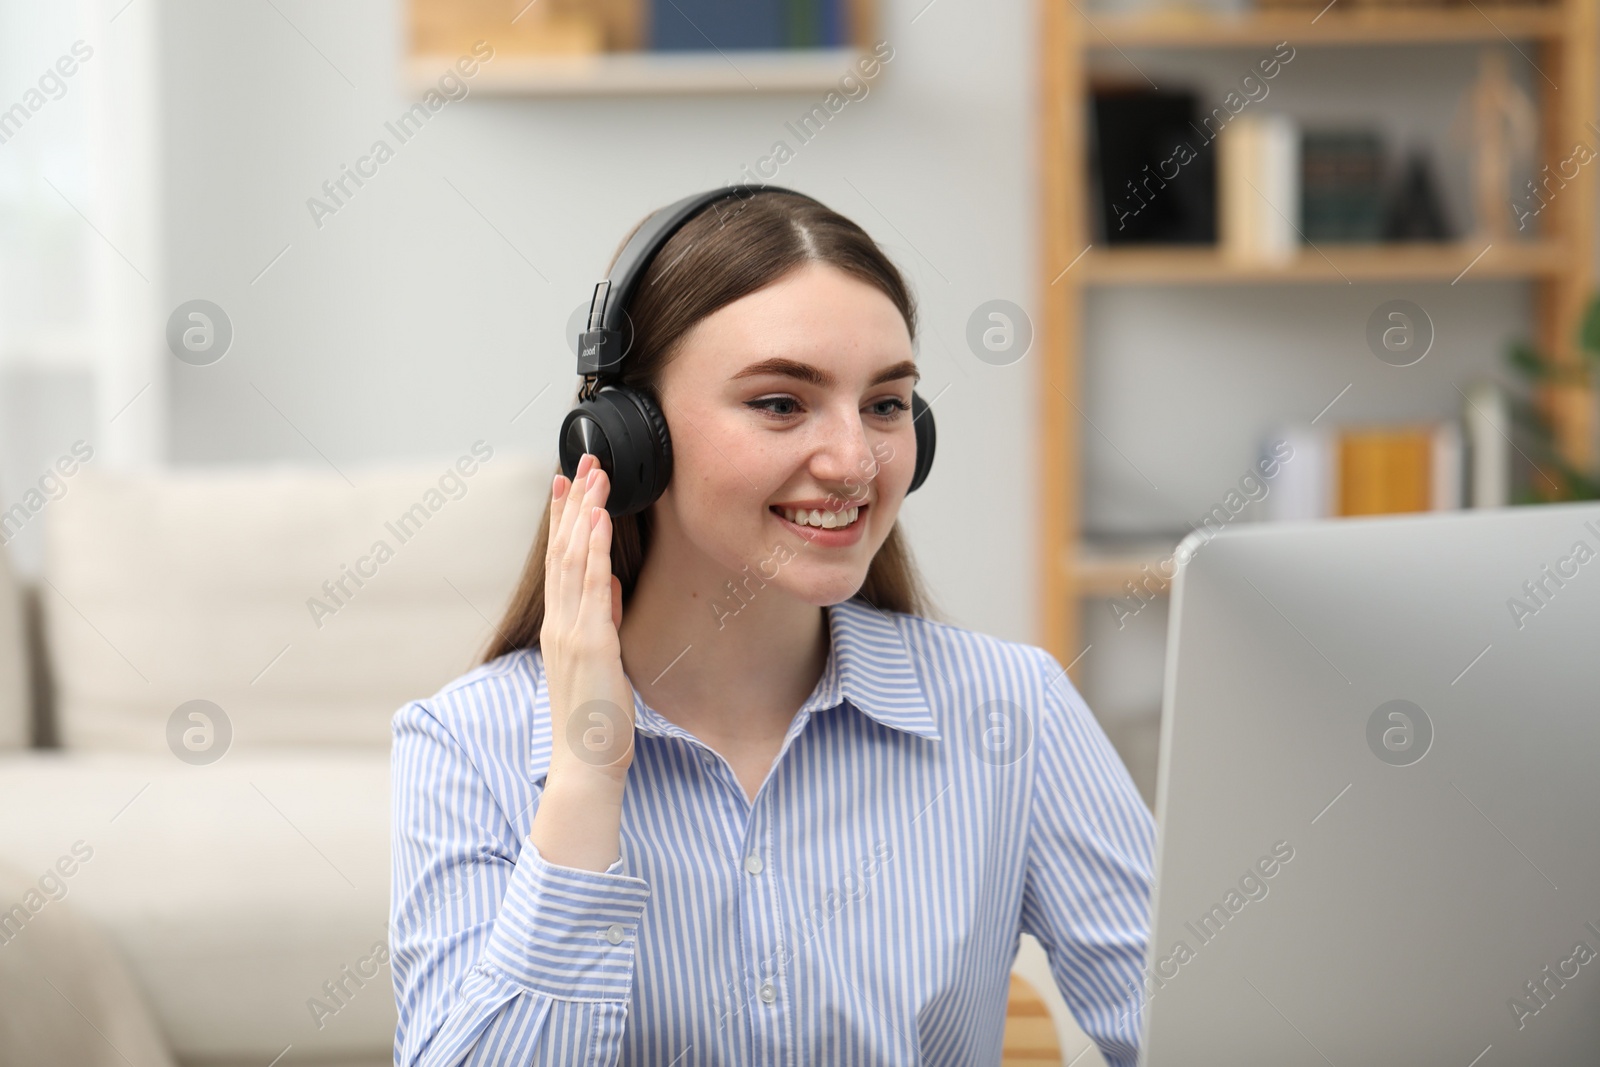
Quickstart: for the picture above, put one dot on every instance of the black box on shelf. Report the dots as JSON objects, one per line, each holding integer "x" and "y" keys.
{"x": 1152, "y": 172}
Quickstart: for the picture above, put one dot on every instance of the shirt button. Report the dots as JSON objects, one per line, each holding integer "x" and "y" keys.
{"x": 752, "y": 863}
{"x": 707, "y": 758}
{"x": 614, "y": 933}
{"x": 768, "y": 993}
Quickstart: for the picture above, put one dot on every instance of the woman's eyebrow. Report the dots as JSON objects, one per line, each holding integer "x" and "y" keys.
{"x": 805, "y": 372}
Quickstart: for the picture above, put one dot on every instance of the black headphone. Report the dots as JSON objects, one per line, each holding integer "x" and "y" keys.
{"x": 624, "y": 427}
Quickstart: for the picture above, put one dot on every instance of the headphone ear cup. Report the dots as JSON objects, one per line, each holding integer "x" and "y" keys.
{"x": 927, "y": 439}
{"x": 627, "y": 432}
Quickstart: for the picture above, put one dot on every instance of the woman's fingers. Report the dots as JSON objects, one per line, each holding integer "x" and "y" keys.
{"x": 574, "y": 552}
{"x": 576, "y": 563}
{"x": 597, "y": 573}
{"x": 561, "y": 524}
{"x": 558, "y": 499}
{"x": 561, "y": 491}
{"x": 563, "y": 516}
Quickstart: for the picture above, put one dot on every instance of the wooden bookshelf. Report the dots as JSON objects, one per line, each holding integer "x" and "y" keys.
{"x": 1101, "y": 568}
{"x": 1341, "y": 24}
{"x": 1328, "y": 262}
{"x": 1560, "y": 37}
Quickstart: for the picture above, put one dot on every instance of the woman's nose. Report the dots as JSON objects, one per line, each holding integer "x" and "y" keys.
{"x": 844, "y": 453}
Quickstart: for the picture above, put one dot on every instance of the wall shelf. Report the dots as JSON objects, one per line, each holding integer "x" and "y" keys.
{"x": 1341, "y": 25}
{"x": 575, "y": 48}
{"x": 1328, "y": 262}
{"x": 648, "y": 73}
{"x": 1100, "y": 569}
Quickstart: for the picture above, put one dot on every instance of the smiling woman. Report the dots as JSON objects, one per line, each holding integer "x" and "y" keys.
{"x": 811, "y": 837}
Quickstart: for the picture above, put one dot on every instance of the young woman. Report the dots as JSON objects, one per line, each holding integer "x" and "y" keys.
{"x": 722, "y": 792}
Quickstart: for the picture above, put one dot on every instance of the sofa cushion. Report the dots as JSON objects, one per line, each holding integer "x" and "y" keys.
{"x": 305, "y": 608}
{"x": 16, "y": 718}
{"x": 239, "y": 893}
{"x": 63, "y": 974}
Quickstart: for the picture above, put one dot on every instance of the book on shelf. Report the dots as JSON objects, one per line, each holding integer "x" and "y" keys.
{"x": 1369, "y": 470}
{"x": 701, "y": 25}
{"x": 1384, "y": 470}
{"x": 1342, "y": 185}
{"x": 452, "y": 27}
{"x": 1258, "y": 178}
{"x": 815, "y": 23}
{"x": 1486, "y": 416}
{"x": 1270, "y": 187}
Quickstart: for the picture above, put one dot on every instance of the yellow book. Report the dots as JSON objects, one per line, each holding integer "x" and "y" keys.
{"x": 548, "y": 27}
{"x": 1386, "y": 470}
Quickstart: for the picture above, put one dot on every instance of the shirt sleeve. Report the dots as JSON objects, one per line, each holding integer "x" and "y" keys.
{"x": 498, "y": 956}
{"x": 1086, "y": 894}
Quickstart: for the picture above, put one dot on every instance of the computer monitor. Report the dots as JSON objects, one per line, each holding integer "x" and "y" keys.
{"x": 1378, "y": 802}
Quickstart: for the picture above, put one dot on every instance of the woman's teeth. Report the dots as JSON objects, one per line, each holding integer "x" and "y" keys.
{"x": 828, "y": 520}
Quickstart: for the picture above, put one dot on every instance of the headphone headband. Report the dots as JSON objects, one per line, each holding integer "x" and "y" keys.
{"x": 602, "y": 344}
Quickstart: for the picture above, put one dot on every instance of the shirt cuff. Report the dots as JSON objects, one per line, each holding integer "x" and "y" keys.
{"x": 568, "y": 933}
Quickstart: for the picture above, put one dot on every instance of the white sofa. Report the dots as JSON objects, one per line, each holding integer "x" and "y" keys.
{"x": 244, "y": 890}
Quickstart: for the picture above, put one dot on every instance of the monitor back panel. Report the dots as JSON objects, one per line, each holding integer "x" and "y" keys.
{"x": 1379, "y": 798}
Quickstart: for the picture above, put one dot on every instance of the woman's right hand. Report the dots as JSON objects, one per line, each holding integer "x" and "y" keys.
{"x": 591, "y": 700}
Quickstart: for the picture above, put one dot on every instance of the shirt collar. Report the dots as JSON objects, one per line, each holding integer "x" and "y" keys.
{"x": 869, "y": 667}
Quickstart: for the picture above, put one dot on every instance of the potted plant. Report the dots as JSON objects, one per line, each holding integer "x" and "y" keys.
{"x": 1557, "y": 478}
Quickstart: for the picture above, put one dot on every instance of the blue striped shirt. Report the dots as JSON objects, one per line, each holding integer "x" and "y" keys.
{"x": 940, "y": 792}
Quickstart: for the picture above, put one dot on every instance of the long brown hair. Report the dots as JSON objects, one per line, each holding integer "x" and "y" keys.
{"x": 726, "y": 252}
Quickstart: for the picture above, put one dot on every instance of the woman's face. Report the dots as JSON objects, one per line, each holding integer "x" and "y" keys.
{"x": 795, "y": 396}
